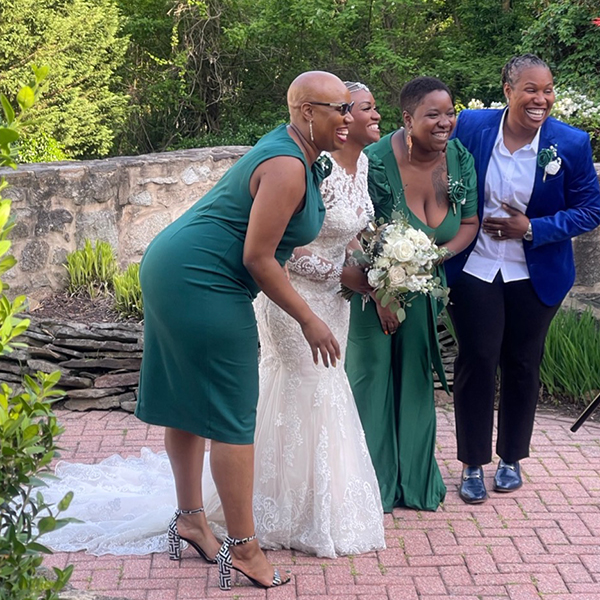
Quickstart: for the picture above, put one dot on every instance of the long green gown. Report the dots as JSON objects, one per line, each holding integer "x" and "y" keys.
{"x": 200, "y": 366}
{"x": 391, "y": 375}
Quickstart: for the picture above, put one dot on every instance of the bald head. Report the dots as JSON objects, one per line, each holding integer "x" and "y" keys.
{"x": 315, "y": 86}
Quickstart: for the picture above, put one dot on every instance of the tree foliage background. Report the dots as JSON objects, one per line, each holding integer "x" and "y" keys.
{"x": 134, "y": 76}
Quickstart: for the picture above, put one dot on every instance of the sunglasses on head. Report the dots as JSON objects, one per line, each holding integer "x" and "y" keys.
{"x": 342, "y": 107}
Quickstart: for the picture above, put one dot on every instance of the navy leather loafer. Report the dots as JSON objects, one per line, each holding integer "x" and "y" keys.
{"x": 472, "y": 488}
{"x": 508, "y": 477}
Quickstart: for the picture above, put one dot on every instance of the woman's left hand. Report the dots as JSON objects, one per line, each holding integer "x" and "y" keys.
{"x": 513, "y": 227}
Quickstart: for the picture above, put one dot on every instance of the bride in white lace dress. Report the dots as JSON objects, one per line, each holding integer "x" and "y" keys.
{"x": 315, "y": 487}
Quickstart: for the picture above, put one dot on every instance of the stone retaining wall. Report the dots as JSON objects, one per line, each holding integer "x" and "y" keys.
{"x": 99, "y": 363}
{"x": 125, "y": 201}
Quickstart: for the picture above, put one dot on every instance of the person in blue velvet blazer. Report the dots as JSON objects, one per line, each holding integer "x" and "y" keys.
{"x": 537, "y": 189}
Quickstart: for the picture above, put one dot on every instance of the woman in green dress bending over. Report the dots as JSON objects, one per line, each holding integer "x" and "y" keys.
{"x": 199, "y": 375}
{"x": 418, "y": 171}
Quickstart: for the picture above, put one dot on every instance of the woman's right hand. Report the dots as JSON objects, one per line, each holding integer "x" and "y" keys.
{"x": 321, "y": 340}
{"x": 387, "y": 318}
{"x": 355, "y": 278}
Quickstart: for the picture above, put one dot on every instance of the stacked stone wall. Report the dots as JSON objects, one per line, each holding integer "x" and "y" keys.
{"x": 125, "y": 201}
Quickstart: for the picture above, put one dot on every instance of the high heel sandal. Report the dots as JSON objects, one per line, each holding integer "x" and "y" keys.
{"x": 175, "y": 538}
{"x": 225, "y": 566}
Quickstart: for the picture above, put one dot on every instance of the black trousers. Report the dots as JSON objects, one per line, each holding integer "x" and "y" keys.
{"x": 497, "y": 325}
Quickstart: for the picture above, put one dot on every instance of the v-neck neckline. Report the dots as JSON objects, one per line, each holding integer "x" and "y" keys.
{"x": 393, "y": 167}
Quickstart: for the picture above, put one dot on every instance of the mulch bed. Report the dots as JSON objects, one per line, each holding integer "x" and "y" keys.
{"x": 81, "y": 308}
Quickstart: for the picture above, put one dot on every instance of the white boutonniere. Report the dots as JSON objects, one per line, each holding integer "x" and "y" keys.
{"x": 549, "y": 160}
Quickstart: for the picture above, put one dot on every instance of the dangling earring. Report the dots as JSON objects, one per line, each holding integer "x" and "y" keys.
{"x": 312, "y": 137}
{"x": 409, "y": 145}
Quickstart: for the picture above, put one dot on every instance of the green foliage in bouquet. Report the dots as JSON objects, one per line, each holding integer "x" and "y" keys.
{"x": 128, "y": 292}
{"x": 28, "y": 427}
{"x": 92, "y": 268}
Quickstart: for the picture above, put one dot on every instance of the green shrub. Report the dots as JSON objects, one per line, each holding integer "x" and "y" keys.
{"x": 92, "y": 268}
{"x": 128, "y": 293}
{"x": 242, "y": 134}
{"x": 571, "y": 365}
{"x": 40, "y": 148}
{"x": 28, "y": 427}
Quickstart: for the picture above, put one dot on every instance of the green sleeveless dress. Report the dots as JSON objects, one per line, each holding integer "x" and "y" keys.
{"x": 391, "y": 375}
{"x": 200, "y": 365}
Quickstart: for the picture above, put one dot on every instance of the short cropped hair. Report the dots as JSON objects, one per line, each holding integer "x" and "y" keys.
{"x": 416, "y": 89}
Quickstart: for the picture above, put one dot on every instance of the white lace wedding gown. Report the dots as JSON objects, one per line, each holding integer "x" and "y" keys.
{"x": 315, "y": 487}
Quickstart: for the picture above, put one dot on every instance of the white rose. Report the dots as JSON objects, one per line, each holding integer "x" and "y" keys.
{"x": 553, "y": 167}
{"x": 403, "y": 251}
{"x": 397, "y": 276}
{"x": 412, "y": 235}
{"x": 423, "y": 240}
{"x": 373, "y": 277}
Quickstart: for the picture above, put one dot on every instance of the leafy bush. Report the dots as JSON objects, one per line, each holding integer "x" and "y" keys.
{"x": 92, "y": 268}
{"x": 565, "y": 34}
{"x": 82, "y": 43}
{"x": 28, "y": 427}
{"x": 571, "y": 364}
{"x": 128, "y": 293}
{"x": 243, "y": 134}
{"x": 40, "y": 148}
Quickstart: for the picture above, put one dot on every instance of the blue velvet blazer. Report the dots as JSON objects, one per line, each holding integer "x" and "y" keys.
{"x": 565, "y": 205}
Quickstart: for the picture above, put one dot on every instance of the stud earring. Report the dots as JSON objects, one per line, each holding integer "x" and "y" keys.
{"x": 409, "y": 145}
{"x": 310, "y": 129}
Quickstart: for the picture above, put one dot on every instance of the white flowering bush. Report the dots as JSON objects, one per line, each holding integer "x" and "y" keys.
{"x": 578, "y": 110}
{"x": 573, "y": 108}
{"x": 400, "y": 263}
{"x": 474, "y": 104}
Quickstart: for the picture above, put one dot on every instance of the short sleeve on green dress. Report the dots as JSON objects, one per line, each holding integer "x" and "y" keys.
{"x": 461, "y": 167}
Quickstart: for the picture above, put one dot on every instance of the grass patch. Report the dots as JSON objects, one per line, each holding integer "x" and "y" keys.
{"x": 570, "y": 369}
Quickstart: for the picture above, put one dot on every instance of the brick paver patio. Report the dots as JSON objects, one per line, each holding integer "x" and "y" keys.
{"x": 539, "y": 543}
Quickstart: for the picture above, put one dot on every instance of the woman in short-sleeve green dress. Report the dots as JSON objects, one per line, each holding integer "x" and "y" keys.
{"x": 200, "y": 365}
{"x": 391, "y": 375}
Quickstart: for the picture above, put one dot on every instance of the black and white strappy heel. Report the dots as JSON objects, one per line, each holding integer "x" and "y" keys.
{"x": 225, "y": 566}
{"x": 174, "y": 537}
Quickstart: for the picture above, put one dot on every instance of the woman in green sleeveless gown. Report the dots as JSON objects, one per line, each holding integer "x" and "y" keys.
{"x": 389, "y": 365}
{"x": 199, "y": 376}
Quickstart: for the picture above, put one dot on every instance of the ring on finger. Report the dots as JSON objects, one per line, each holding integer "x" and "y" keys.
{"x": 499, "y": 232}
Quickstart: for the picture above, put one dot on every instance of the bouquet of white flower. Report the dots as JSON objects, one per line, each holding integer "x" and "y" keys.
{"x": 400, "y": 262}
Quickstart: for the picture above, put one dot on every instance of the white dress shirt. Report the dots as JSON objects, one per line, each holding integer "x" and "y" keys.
{"x": 509, "y": 179}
